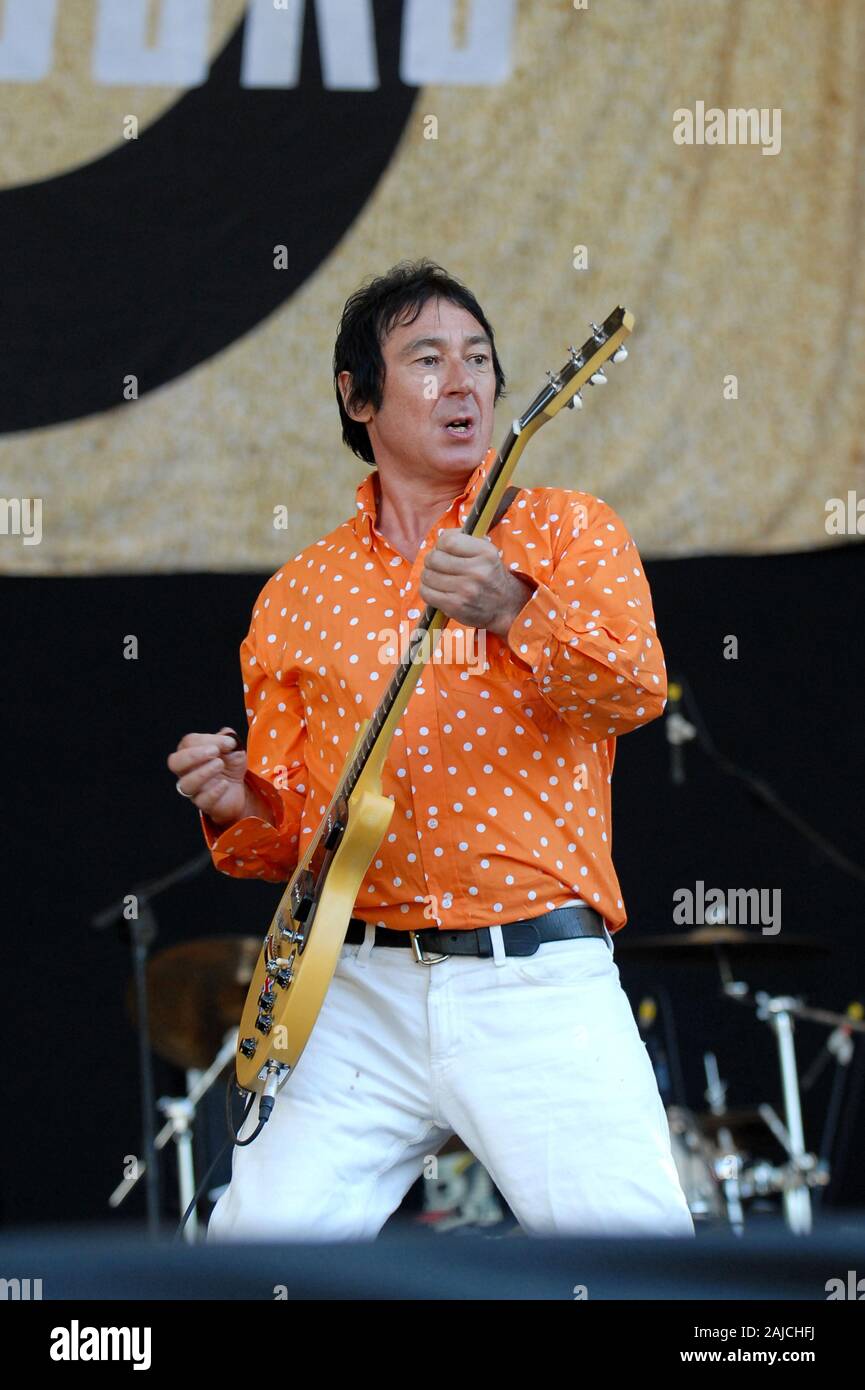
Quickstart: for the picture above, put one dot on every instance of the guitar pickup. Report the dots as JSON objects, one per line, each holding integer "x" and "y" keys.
{"x": 335, "y": 824}
{"x": 334, "y": 834}
{"x": 303, "y": 897}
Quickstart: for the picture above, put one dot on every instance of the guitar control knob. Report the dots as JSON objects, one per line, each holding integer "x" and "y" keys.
{"x": 248, "y": 1047}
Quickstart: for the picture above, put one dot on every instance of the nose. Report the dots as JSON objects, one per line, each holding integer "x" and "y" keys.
{"x": 459, "y": 378}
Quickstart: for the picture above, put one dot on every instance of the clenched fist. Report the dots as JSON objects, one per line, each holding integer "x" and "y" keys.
{"x": 210, "y": 769}
{"x": 464, "y": 576}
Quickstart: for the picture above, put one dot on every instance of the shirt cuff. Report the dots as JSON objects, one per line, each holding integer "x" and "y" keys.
{"x": 542, "y": 617}
{"x": 238, "y": 834}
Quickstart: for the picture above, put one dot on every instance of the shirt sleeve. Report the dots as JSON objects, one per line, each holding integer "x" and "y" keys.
{"x": 276, "y": 767}
{"x": 587, "y": 633}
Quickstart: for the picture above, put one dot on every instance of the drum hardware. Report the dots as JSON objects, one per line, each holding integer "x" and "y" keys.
{"x": 181, "y": 1112}
{"x": 764, "y": 1179}
{"x": 729, "y": 1161}
{"x": 694, "y": 1157}
{"x": 803, "y": 1169}
{"x": 461, "y": 1194}
{"x": 134, "y": 917}
{"x": 713, "y": 944}
{"x": 196, "y": 992}
{"x": 711, "y": 1139}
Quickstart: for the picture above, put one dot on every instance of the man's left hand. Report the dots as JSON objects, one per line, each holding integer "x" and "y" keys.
{"x": 464, "y": 576}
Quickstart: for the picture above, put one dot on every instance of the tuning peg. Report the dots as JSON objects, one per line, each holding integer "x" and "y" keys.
{"x": 597, "y": 378}
{"x": 554, "y": 380}
{"x": 576, "y": 402}
{"x": 597, "y": 334}
{"x": 620, "y": 354}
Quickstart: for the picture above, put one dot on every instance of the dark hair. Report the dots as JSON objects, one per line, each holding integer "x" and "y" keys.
{"x": 367, "y": 318}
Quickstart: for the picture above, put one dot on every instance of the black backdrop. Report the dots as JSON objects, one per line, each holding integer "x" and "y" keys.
{"x": 91, "y": 811}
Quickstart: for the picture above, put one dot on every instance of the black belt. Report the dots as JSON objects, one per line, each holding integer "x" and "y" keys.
{"x": 520, "y": 938}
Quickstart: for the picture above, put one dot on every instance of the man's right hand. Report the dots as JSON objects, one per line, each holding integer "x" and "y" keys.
{"x": 210, "y": 769}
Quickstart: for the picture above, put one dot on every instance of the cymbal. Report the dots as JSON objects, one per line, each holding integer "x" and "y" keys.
{"x": 196, "y": 992}
{"x": 742, "y": 1122}
{"x": 703, "y": 945}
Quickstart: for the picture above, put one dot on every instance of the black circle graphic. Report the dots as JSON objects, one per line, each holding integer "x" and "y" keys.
{"x": 154, "y": 257}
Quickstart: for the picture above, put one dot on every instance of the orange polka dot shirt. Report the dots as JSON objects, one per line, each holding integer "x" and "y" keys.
{"x": 501, "y": 765}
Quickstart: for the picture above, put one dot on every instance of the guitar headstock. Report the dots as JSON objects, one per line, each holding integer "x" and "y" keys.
{"x": 584, "y": 365}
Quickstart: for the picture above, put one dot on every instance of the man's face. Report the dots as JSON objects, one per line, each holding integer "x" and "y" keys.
{"x": 436, "y": 368}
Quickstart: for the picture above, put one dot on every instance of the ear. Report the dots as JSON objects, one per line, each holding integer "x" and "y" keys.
{"x": 365, "y": 414}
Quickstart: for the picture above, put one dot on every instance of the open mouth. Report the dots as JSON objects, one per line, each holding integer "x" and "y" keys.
{"x": 462, "y": 427}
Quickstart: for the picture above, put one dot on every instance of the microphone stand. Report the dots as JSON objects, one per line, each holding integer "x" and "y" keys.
{"x": 143, "y": 931}
{"x": 759, "y": 788}
{"x": 678, "y": 732}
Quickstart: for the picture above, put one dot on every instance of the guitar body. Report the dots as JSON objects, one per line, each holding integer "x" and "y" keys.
{"x": 311, "y": 963}
{"x": 302, "y": 947}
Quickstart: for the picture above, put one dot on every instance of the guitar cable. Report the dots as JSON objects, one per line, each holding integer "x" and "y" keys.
{"x": 230, "y": 1142}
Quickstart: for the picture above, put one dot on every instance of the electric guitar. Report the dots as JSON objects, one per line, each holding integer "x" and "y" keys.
{"x": 304, "y": 940}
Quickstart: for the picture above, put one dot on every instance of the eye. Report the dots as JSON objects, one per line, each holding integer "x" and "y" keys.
{"x": 481, "y": 356}
{"x": 430, "y": 357}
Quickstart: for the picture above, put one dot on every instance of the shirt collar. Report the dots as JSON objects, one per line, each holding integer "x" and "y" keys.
{"x": 366, "y": 497}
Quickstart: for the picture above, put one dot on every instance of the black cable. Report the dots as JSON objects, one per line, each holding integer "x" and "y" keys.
{"x": 241, "y": 1143}
{"x": 765, "y": 793}
{"x": 265, "y": 1108}
{"x": 229, "y": 1143}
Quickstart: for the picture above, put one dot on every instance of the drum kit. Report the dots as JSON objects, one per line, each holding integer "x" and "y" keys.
{"x": 722, "y": 1155}
{"x": 730, "y": 1162}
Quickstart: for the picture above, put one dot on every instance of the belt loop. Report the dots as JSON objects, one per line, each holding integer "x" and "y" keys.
{"x": 608, "y": 938}
{"x": 498, "y": 945}
{"x": 363, "y": 954}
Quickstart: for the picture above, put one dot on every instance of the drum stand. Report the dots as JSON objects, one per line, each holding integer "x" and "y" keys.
{"x": 799, "y": 1173}
{"x": 711, "y": 1139}
{"x": 728, "y": 1164}
{"x": 180, "y": 1111}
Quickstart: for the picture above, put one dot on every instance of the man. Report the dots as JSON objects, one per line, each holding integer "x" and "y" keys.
{"x": 503, "y": 1019}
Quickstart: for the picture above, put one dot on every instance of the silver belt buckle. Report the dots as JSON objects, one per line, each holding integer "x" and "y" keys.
{"x": 419, "y": 955}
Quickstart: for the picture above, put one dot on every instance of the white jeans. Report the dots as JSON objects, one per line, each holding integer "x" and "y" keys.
{"x": 535, "y": 1061}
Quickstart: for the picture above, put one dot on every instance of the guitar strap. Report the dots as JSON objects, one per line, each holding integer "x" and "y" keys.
{"x": 506, "y": 499}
